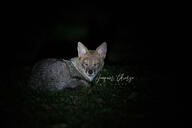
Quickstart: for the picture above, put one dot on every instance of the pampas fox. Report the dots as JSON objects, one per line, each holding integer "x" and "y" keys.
{"x": 55, "y": 74}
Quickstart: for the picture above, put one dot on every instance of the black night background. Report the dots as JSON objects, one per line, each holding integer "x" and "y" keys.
{"x": 138, "y": 46}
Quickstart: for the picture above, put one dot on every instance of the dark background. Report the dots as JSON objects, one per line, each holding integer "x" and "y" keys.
{"x": 133, "y": 38}
{"x": 32, "y": 34}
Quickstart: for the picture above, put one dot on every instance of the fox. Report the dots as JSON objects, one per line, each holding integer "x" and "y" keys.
{"x": 58, "y": 74}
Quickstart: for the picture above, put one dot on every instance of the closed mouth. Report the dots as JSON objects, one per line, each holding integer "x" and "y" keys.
{"x": 90, "y": 75}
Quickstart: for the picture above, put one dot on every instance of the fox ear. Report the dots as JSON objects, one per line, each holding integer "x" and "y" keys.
{"x": 102, "y": 49}
{"x": 81, "y": 49}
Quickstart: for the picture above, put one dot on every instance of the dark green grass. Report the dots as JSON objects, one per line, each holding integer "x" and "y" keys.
{"x": 107, "y": 104}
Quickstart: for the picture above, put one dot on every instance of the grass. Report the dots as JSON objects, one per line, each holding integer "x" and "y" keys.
{"x": 109, "y": 103}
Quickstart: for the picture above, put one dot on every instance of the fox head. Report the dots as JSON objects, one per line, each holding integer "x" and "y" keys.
{"x": 91, "y": 61}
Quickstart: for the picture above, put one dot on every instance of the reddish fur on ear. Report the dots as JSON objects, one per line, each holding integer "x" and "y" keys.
{"x": 102, "y": 49}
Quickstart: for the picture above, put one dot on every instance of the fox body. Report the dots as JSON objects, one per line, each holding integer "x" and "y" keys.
{"x": 55, "y": 74}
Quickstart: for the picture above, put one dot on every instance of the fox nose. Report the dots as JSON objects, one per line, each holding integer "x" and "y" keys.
{"x": 90, "y": 71}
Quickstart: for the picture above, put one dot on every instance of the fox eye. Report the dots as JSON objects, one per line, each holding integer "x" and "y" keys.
{"x": 95, "y": 64}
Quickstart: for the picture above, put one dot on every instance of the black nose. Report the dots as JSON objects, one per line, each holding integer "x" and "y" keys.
{"x": 90, "y": 71}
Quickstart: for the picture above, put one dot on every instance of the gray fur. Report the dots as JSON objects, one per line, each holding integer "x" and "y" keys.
{"x": 54, "y": 74}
